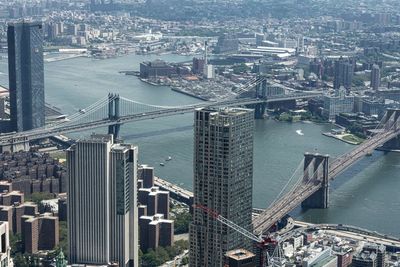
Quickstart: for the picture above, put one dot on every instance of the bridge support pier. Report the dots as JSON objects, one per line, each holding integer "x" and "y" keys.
{"x": 316, "y": 169}
{"x": 261, "y": 92}
{"x": 393, "y": 120}
{"x": 113, "y": 114}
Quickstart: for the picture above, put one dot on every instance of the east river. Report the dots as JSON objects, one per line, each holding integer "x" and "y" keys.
{"x": 366, "y": 195}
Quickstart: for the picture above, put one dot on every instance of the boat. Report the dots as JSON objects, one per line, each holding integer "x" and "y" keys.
{"x": 83, "y": 111}
{"x": 169, "y": 158}
{"x": 369, "y": 154}
{"x": 162, "y": 164}
{"x": 299, "y": 132}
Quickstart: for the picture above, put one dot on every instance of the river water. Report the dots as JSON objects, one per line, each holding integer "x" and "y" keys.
{"x": 367, "y": 195}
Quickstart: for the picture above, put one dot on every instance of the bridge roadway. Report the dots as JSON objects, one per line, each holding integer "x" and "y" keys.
{"x": 295, "y": 197}
{"x": 176, "y": 192}
{"x": 166, "y": 112}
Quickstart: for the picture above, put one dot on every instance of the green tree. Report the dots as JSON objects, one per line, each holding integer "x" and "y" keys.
{"x": 16, "y": 244}
{"x": 237, "y": 69}
{"x": 181, "y": 223}
{"x": 63, "y": 234}
{"x": 358, "y": 81}
{"x": 20, "y": 260}
{"x": 185, "y": 261}
{"x": 38, "y": 197}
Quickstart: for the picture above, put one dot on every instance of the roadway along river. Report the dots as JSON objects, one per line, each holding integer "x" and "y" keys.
{"x": 367, "y": 195}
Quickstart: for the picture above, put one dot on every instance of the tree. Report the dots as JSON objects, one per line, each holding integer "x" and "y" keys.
{"x": 38, "y": 197}
{"x": 16, "y": 244}
{"x": 20, "y": 260}
{"x": 181, "y": 223}
{"x": 358, "y": 81}
{"x": 63, "y": 237}
{"x": 185, "y": 261}
{"x": 237, "y": 69}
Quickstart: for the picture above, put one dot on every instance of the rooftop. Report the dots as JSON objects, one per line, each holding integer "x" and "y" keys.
{"x": 239, "y": 254}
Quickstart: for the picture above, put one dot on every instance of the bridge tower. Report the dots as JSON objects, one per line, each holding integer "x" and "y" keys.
{"x": 114, "y": 114}
{"x": 392, "y": 120}
{"x": 261, "y": 92}
{"x": 316, "y": 170}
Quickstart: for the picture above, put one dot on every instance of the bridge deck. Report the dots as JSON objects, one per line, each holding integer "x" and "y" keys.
{"x": 292, "y": 200}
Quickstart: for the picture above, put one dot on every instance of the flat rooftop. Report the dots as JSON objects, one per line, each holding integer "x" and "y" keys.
{"x": 239, "y": 254}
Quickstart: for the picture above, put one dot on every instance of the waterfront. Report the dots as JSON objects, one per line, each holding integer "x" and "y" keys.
{"x": 368, "y": 199}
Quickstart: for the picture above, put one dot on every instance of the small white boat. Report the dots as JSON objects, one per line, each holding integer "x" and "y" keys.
{"x": 299, "y": 132}
{"x": 162, "y": 164}
{"x": 169, "y": 158}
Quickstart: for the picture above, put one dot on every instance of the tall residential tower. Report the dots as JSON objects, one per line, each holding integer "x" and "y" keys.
{"x": 343, "y": 73}
{"x": 375, "y": 77}
{"x": 26, "y": 78}
{"x": 223, "y": 182}
{"x": 102, "y": 202}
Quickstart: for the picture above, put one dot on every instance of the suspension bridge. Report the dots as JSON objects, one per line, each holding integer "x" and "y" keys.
{"x": 113, "y": 110}
{"x": 309, "y": 185}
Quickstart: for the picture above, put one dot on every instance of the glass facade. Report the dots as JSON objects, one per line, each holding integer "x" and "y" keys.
{"x": 26, "y": 75}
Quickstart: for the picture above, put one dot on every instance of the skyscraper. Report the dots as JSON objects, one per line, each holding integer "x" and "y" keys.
{"x": 375, "y": 77}
{"x": 26, "y": 78}
{"x": 102, "y": 202}
{"x": 344, "y": 70}
{"x": 223, "y": 173}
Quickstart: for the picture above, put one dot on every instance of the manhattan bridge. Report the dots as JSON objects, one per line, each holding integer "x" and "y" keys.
{"x": 309, "y": 184}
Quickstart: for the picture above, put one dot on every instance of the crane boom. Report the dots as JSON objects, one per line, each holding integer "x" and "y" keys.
{"x": 230, "y": 224}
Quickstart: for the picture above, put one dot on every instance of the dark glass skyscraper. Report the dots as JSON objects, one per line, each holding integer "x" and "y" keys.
{"x": 26, "y": 75}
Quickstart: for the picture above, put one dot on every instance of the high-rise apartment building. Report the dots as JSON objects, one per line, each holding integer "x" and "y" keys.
{"x": 5, "y": 249}
{"x": 343, "y": 73}
{"x": 102, "y": 202}
{"x": 26, "y": 75}
{"x": 223, "y": 173}
{"x": 375, "y": 77}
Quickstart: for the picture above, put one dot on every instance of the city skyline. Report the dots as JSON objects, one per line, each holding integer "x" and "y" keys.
{"x": 291, "y": 158}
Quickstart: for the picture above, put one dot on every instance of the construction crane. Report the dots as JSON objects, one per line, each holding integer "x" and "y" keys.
{"x": 261, "y": 242}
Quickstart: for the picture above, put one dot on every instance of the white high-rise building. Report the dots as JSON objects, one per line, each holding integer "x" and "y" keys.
{"x": 102, "y": 202}
{"x": 5, "y": 249}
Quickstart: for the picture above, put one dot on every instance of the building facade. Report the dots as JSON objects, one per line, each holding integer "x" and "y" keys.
{"x": 26, "y": 75}
{"x": 375, "y": 77}
{"x": 338, "y": 103}
{"x": 102, "y": 202}
{"x": 343, "y": 73}
{"x": 5, "y": 249}
{"x": 223, "y": 173}
{"x": 155, "y": 231}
